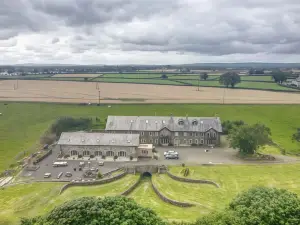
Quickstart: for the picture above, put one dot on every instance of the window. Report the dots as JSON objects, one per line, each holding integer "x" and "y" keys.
{"x": 192, "y": 134}
{"x": 176, "y": 134}
{"x": 196, "y": 141}
{"x": 191, "y": 141}
{"x": 156, "y": 133}
{"x": 86, "y": 153}
{"x": 110, "y": 153}
{"x": 195, "y": 123}
{"x": 145, "y": 152}
{"x": 180, "y": 122}
{"x": 208, "y": 135}
{"x": 122, "y": 154}
{"x": 142, "y": 133}
{"x": 202, "y": 141}
{"x": 98, "y": 153}
{"x": 196, "y": 134}
{"x": 185, "y": 134}
{"x": 73, "y": 152}
{"x": 156, "y": 141}
{"x": 202, "y": 134}
{"x": 214, "y": 134}
{"x": 150, "y": 133}
{"x": 143, "y": 140}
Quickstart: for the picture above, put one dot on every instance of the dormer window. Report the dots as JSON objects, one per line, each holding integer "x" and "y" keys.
{"x": 180, "y": 122}
{"x": 195, "y": 122}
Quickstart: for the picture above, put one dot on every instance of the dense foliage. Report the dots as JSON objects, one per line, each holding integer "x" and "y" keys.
{"x": 65, "y": 124}
{"x": 267, "y": 206}
{"x": 248, "y": 138}
{"x": 96, "y": 211}
{"x": 228, "y": 125}
{"x": 279, "y": 76}
{"x": 230, "y": 79}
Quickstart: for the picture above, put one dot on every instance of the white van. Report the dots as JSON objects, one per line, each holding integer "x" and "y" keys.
{"x": 47, "y": 175}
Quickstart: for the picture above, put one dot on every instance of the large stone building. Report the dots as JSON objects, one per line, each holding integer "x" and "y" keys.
{"x": 97, "y": 145}
{"x": 177, "y": 131}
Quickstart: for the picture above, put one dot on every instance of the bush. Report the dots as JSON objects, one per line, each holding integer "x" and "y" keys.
{"x": 164, "y": 76}
{"x": 66, "y": 156}
{"x": 170, "y": 144}
{"x": 79, "y": 156}
{"x": 103, "y": 156}
{"x": 194, "y": 144}
{"x": 115, "y": 157}
{"x": 99, "y": 175}
{"x": 92, "y": 156}
{"x": 155, "y": 157}
{"x": 183, "y": 165}
{"x": 154, "y": 150}
{"x": 228, "y": 125}
{"x": 48, "y": 138}
{"x": 186, "y": 172}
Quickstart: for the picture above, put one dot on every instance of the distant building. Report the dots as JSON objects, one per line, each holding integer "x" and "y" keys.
{"x": 296, "y": 82}
{"x": 166, "y": 131}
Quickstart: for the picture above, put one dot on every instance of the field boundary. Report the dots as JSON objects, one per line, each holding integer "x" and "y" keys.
{"x": 132, "y": 187}
{"x": 188, "y": 180}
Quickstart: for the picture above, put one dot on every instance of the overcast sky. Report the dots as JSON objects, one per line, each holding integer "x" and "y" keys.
{"x": 149, "y": 31}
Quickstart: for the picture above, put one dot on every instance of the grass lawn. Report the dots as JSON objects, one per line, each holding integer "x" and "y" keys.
{"x": 22, "y": 124}
{"x": 66, "y": 78}
{"x": 28, "y": 200}
{"x": 259, "y": 78}
{"x": 132, "y": 75}
{"x": 233, "y": 179}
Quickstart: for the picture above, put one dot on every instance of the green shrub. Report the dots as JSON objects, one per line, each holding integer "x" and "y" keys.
{"x": 99, "y": 175}
{"x": 79, "y": 156}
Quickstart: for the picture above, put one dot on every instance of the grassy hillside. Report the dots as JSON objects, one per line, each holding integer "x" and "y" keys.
{"x": 22, "y": 124}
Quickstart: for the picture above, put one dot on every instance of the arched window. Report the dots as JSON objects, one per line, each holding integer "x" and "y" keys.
{"x": 86, "y": 153}
{"x": 122, "y": 154}
{"x": 73, "y": 152}
{"x": 195, "y": 123}
{"x": 110, "y": 153}
{"x": 180, "y": 122}
{"x": 98, "y": 153}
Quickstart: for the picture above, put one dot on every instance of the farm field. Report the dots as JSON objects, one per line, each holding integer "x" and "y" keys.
{"x": 30, "y": 199}
{"x": 76, "y": 75}
{"x": 131, "y": 75}
{"x": 87, "y": 92}
{"x": 22, "y": 124}
{"x": 136, "y": 81}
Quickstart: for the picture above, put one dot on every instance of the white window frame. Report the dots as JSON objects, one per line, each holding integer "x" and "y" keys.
{"x": 208, "y": 135}
{"x": 191, "y": 141}
{"x": 150, "y": 133}
{"x": 196, "y": 141}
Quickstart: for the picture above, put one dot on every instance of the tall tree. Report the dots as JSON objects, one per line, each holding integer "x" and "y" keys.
{"x": 92, "y": 210}
{"x": 279, "y": 76}
{"x": 204, "y": 76}
{"x": 230, "y": 79}
{"x": 248, "y": 138}
{"x": 268, "y": 206}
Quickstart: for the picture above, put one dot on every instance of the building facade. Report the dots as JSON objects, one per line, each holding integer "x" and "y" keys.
{"x": 99, "y": 145}
{"x": 169, "y": 131}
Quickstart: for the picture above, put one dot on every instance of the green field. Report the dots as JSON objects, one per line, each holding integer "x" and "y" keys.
{"x": 132, "y": 75}
{"x": 137, "y": 81}
{"x": 22, "y": 124}
{"x": 38, "y": 198}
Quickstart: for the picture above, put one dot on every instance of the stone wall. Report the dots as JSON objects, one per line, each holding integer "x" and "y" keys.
{"x": 146, "y": 168}
{"x": 132, "y": 187}
{"x": 168, "y": 200}
{"x": 89, "y": 183}
{"x": 183, "y": 179}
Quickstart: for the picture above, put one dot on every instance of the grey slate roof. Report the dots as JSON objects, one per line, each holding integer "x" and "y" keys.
{"x": 83, "y": 138}
{"x": 156, "y": 123}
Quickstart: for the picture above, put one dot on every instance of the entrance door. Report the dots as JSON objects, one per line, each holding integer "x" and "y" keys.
{"x": 164, "y": 140}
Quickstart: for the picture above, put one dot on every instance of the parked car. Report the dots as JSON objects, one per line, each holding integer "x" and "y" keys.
{"x": 170, "y": 152}
{"x": 101, "y": 163}
{"x": 59, "y": 175}
{"x": 47, "y": 175}
{"x": 68, "y": 174}
{"x": 172, "y": 156}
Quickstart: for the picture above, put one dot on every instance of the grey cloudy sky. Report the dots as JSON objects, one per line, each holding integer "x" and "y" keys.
{"x": 149, "y": 31}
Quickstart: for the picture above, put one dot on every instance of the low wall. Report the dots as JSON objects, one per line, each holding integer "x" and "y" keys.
{"x": 112, "y": 171}
{"x": 90, "y": 183}
{"x": 49, "y": 152}
{"x": 183, "y": 179}
{"x": 168, "y": 200}
{"x": 132, "y": 187}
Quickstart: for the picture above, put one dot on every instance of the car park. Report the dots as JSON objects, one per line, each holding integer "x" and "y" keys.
{"x": 47, "y": 175}
{"x": 68, "y": 174}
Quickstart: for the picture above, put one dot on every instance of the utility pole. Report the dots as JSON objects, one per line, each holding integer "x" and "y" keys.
{"x": 99, "y": 98}
{"x": 224, "y": 95}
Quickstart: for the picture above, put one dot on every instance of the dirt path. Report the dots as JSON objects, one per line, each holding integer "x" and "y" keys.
{"x": 79, "y": 92}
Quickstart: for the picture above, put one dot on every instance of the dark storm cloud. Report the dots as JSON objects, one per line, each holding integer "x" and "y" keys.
{"x": 210, "y": 27}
